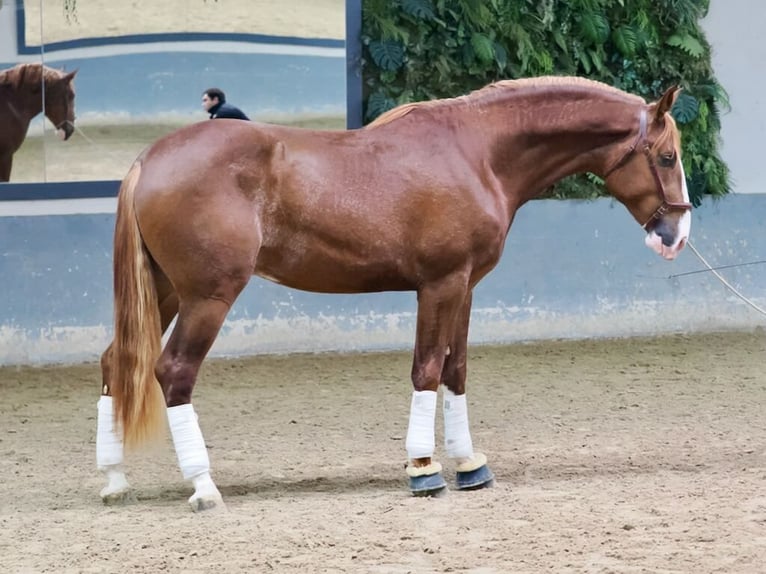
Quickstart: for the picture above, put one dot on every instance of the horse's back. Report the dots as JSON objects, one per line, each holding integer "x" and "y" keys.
{"x": 333, "y": 211}
{"x": 213, "y": 153}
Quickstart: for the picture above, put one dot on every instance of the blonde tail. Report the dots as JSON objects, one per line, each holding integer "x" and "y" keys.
{"x": 139, "y": 405}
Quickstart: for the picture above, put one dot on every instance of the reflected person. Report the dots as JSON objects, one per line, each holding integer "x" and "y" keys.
{"x": 214, "y": 103}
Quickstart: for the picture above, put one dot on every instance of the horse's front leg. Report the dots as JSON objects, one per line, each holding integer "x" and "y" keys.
{"x": 6, "y": 162}
{"x": 109, "y": 448}
{"x": 472, "y": 469}
{"x": 438, "y": 309}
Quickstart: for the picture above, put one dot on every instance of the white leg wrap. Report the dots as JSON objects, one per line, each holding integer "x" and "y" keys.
{"x": 457, "y": 437}
{"x": 420, "y": 434}
{"x": 109, "y": 452}
{"x": 188, "y": 440}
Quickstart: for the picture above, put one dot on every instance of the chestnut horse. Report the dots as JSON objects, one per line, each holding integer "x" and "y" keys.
{"x": 25, "y": 91}
{"x": 420, "y": 200}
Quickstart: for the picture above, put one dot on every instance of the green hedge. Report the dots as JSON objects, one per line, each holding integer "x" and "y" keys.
{"x": 424, "y": 49}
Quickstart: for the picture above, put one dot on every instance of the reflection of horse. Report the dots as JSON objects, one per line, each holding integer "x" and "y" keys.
{"x": 25, "y": 91}
{"x": 421, "y": 200}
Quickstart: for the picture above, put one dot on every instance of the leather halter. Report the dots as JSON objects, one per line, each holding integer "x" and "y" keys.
{"x": 641, "y": 140}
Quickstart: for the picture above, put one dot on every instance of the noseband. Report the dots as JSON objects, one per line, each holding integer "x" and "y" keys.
{"x": 641, "y": 140}
{"x": 64, "y": 123}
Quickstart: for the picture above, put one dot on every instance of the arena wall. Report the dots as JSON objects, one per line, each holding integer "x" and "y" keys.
{"x": 734, "y": 29}
{"x": 571, "y": 269}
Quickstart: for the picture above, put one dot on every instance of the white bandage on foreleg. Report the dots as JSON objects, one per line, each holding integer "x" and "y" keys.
{"x": 420, "y": 434}
{"x": 188, "y": 440}
{"x": 457, "y": 437}
{"x": 109, "y": 451}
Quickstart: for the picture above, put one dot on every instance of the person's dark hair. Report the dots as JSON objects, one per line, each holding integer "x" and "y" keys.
{"x": 216, "y": 93}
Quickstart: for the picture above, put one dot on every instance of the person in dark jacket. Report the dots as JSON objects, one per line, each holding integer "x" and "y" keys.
{"x": 214, "y": 103}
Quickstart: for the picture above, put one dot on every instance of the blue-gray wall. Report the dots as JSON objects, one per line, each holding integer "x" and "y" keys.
{"x": 571, "y": 269}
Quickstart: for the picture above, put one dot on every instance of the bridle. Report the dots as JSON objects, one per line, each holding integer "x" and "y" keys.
{"x": 641, "y": 140}
{"x": 64, "y": 123}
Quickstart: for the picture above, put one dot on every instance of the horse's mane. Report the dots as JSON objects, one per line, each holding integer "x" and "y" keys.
{"x": 28, "y": 75}
{"x": 502, "y": 86}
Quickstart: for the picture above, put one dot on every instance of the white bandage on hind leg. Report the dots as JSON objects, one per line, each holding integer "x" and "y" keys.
{"x": 457, "y": 437}
{"x": 420, "y": 434}
{"x": 188, "y": 440}
{"x": 109, "y": 451}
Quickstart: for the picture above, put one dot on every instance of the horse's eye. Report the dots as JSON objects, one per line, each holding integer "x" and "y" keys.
{"x": 667, "y": 159}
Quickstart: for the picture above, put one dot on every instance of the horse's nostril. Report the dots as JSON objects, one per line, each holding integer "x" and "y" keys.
{"x": 664, "y": 231}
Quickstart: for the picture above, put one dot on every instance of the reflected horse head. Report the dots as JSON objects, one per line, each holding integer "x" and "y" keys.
{"x": 649, "y": 179}
{"x": 59, "y": 102}
{"x": 25, "y": 91}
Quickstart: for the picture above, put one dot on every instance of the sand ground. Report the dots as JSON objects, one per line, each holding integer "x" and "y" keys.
{"x": 106, "y": 152}
{"x": 629, "y": 456}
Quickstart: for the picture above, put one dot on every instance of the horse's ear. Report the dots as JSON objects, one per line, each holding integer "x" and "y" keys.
{"x": 68, "y": 77}
{"x": 663, "y": 105}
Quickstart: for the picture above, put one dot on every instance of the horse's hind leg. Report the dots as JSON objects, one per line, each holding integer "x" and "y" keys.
{"x": 109, "y": 447}
{"x": 472, "y": 469}
{"x": 199, "y": 320}
{"x": 109, "y": 450}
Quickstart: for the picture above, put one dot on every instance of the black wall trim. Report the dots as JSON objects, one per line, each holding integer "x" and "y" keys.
{"x": 59, "y": 190}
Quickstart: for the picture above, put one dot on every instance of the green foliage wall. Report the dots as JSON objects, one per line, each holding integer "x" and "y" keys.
{"x": 424, "y": 49}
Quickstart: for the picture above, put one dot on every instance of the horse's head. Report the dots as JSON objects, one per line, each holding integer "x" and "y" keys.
{"x": 59, "y": 103}
{"x": 649, "y": 179}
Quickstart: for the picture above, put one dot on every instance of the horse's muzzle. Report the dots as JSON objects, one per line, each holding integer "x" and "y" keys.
{"x": 668, "y": 231}
{"x": 65, "y": 130}
{"x": 668, "y": 240}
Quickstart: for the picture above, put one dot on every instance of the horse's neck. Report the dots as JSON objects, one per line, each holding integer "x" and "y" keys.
{"x": 15, "y": 118}
{"x": 539, "y": 144}
{"x": 22, "y": 103}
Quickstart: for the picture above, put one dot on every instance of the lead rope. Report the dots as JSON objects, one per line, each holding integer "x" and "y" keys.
{"x": 42, "y": 81}
{"x": 95, "y": 144}
{"x": 723, "y": 280}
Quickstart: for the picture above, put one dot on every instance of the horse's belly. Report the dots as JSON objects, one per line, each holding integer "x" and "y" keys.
{"x": 322, "y": 274}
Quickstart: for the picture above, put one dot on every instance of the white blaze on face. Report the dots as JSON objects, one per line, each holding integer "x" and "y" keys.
{"x": 685, "y": 223}
{"x": 654, "y": 241}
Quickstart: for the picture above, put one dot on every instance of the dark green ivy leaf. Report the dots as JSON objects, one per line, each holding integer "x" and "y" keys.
{"x": 685, "y": 109}
{"x": 387, "y": 54}
{"x": 422, "y": 9}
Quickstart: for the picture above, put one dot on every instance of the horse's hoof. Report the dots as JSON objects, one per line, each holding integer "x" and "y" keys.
{"x": 426, "y": 480}
{"x": 118, "y": 497}
{"x": 118, "y": 490}
{"x": 428, "y": 485}
{"x": 207, "y": 503}
{"x": 481, "y": 477}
